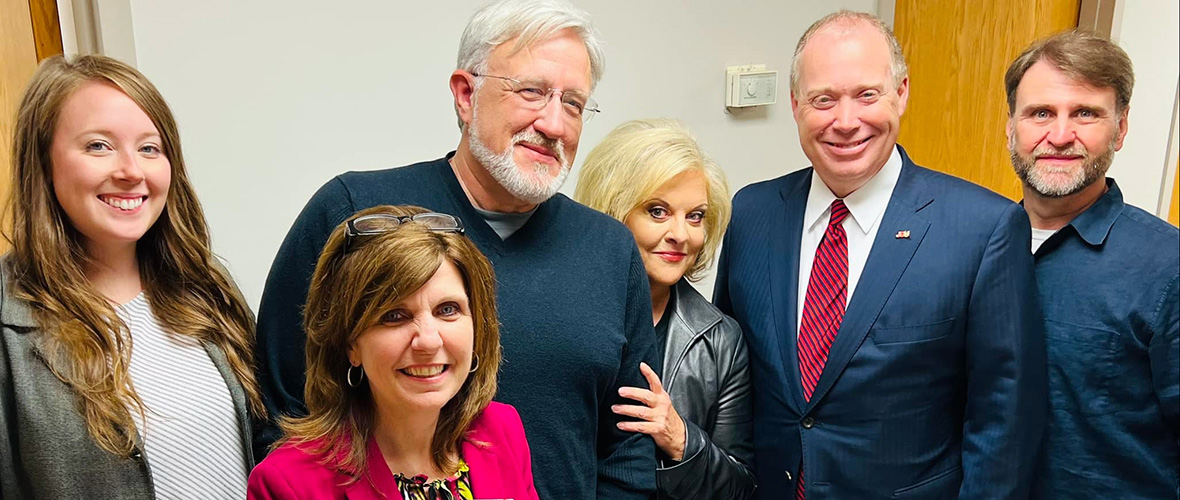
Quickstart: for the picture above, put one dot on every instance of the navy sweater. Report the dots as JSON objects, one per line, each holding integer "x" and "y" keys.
{"x": 575, "y": 313}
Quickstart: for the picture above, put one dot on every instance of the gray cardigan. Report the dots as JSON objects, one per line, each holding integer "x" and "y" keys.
{"x": 45, "y": 450}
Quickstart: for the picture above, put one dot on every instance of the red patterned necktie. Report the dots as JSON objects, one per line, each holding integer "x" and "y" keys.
{"x": 823, "y": 309}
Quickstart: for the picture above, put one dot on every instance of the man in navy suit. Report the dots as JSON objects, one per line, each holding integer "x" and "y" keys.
{"x": 891, "y": 312}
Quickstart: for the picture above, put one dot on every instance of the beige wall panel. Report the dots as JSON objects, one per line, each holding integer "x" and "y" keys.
{"x": 958, "y": 51}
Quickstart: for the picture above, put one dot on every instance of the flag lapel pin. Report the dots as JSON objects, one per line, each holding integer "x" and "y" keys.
{"x": 902, "y": 235}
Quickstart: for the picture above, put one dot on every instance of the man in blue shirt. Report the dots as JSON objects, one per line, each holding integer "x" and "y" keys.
{"x": 1107, "y": 275}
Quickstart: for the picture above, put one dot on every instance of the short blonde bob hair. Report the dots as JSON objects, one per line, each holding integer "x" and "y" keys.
{"x": 636, "y": 159}
{"x": 350, "y": 291}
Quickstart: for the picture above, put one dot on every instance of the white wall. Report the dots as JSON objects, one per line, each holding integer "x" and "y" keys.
{"x": 274, "y": 98}
{"x": 113, "y": 32}
{"x": 1149, "y": 30}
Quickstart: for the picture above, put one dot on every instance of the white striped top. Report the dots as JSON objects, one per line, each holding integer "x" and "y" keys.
{"x": 192, "y": 440}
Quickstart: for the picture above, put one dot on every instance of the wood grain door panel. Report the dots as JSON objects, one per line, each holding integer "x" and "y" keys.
{"x": 958, "y": 51}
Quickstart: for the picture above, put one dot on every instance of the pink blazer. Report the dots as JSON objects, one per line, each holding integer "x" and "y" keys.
{"x": 500, "y": 470}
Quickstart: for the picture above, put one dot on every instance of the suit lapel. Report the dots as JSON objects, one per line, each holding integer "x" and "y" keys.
{"x": 362, "y": 490}
{"x": 378, "y": 484}
{"x": 484, "y": 469}
{"x": 887, "y": 262}
{"x": 786, "y": 235}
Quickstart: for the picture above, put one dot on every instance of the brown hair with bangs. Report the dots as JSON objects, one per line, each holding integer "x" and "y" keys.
{"x": 84, "y": 342}
{"x": 1085, "y": 57}
{"x": 350, "y": 291}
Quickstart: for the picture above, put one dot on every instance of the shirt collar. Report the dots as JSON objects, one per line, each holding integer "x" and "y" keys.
{"x": 1094, "y": 224}
{"x": 865, "y": 205}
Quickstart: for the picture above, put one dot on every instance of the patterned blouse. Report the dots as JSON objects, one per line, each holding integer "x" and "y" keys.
{"x": 451, "y": 488}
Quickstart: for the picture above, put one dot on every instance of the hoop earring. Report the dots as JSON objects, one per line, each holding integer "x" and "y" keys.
{"x": 348, "y": 376}
{"x": 474, "y": 363}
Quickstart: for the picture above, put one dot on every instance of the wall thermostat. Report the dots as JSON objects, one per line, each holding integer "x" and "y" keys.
{"x": 750, "y": 85}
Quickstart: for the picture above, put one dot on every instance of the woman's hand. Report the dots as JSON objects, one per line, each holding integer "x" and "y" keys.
{"x": 660, "y": 420}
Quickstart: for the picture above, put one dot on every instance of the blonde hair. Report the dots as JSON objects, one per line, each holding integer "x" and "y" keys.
{"x": 636, "y": 159}
{"x": 84, "y": 342}
{"x": 350, "y": 291}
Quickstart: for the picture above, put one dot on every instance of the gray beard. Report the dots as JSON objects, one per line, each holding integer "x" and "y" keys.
{"x": 1093, "y": 169}
{"x": 531, "y": 187}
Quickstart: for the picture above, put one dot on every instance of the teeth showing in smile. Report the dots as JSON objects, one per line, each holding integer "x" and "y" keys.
{"x": 424, "y": 371}
{"x": 122, "y": 203}
{"x": 848, "y": 145}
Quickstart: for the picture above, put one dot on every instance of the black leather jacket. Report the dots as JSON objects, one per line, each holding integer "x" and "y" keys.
{"x": 707, "y": 375}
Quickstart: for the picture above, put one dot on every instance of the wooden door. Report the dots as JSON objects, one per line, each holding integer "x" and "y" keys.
{"x": 1174, "y": 213}
{"x": 29, "y": 32}
{"x": 958, "y": 51}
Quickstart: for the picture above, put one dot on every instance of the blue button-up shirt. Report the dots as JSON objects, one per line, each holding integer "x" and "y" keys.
{"x": 1108, "y": 287}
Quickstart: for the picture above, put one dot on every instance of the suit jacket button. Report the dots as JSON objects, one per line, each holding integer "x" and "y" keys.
{"x": 789, "y": 478}
{"x": 808, "y": 422}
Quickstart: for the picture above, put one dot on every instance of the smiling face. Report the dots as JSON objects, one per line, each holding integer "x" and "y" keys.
{"x": 669, "y": 227}
{"x": 528, "y": 151}
{"x": 846, "y": 106}
{"x": 109, "y": 171}
{"x": 1063, "y": 134}
{"x": 419, "y": 354}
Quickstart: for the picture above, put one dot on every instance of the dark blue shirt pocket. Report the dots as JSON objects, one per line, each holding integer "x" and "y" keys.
{"x": 884, "y": 335}
{"x": 1083, "y": 367}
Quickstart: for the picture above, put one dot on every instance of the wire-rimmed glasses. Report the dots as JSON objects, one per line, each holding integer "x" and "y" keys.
{"x": 536, "y": 96}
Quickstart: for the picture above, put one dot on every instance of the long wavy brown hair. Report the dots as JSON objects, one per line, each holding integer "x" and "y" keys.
{"x": 350, "y": 291}
{"x": 83, "y": 340}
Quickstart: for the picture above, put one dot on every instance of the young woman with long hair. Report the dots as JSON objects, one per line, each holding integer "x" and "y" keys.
{"x": 126, "y": 365}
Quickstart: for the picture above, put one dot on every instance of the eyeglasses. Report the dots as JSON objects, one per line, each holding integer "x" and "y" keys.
{"x": 368, "y": 225}
{"x": 536, "y": 96}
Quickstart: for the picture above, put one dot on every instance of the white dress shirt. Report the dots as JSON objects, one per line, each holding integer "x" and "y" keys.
{"x": 865, "y": 206}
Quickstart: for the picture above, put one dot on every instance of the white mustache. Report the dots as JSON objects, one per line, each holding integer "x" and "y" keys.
{"x": 557, "y": 146}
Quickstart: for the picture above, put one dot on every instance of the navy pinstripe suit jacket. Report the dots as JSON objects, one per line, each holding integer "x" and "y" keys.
{"x": 935, "y": 386}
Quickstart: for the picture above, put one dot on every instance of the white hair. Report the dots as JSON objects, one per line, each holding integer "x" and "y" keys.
{"x": 528, "y": 21}
{"x": 848, "y": 19}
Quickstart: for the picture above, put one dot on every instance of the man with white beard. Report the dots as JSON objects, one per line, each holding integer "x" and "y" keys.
{"x": 572, "y": 294}
{"x": 1107, "y": 276}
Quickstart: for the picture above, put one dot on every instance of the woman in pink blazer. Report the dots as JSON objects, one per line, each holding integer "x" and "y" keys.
{"x": 403, "y": 348}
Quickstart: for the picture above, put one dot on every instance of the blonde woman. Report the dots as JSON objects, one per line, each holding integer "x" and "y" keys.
{"x": 125, "y": 350}
{"x": 652, "y": 176}
{"x": 403, "y": 347}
